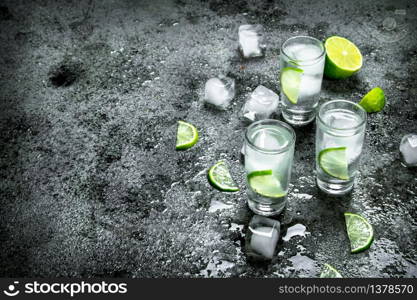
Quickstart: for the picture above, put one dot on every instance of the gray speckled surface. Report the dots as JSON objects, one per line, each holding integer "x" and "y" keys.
{"x": 91, "y": 184}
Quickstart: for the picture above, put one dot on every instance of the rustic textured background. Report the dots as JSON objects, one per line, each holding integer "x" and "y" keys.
{"x": 91, "y": 184}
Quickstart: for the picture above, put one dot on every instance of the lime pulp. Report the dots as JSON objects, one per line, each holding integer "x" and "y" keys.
{"x": 333, "y": 162}
{"x": 330, "y": 272}
{"x": 290, "y": 83}
{"x": 374, "y": 100}
{"x": 343, "y": 58}
{"x": 219, "y": 176}
{"x": 266, "y": 184}
{"x": 187, "y": 135}
{"x": 360, "y": 232}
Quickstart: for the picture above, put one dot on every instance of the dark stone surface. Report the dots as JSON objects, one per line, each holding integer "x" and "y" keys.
{"x": 91, "y": 184}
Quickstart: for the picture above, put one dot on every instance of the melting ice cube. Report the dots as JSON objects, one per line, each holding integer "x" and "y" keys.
{"x": 264, "y": 241}
{"x": 251, "y": 40}
{"x": 219, "y": 91}
{"x": 297, "y": 229}
{"x": 408, "y": 148}
{"x": 261, "y": 104}
{"x": 263, "y": 237}
{"x": 304, "y": 265}
{"x": 218, "y": 205}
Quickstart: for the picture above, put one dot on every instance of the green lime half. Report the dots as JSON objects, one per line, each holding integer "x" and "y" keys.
{"x": 360, "y": 232}
{"x": 333, "y": 162}
{"x": 187, "y": 135}
{"x": 219, "y": 176}
{"x": 343, "y": 58}
{"x": 329, "y": 272}
{"x": 265, "y": 184}
{"x": 290, "y": 83}
{"x": 374, "y": 100}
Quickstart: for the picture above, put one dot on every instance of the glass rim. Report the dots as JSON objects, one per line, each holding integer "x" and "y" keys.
{"x": 323, "y": 52}
{"x": 320, "y": 119}
{"x": 276, "y": 122}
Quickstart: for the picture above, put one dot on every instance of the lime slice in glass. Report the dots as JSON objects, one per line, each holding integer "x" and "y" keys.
{"x": 187, "y": 135}
{"x": 360, "y": 232}
{"x": 374, "y": 100}
{"x": 219, "y": 176}
{"x": 265, "y": 184}
{"x": 329, "y": 272}
{"x": 290, "y": 83}
{"x": 343, "y": 58}
{"x": 333, "y": 162}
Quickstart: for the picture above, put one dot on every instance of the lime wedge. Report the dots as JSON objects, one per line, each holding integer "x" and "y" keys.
{"x": 219, "y": 176}
{"x": 187, "y": 135}
{"x": 360, "y": 232}
{"x": 343, "y": 58}
{"x": 265, "y": 184}
{"x": 329, "y": 272}
{"x": 333, "y": 162}
{"x": 374, "y": 100}
{"x": 290, "y": 83}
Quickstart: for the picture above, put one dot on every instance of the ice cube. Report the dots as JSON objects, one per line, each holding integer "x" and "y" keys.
{"x": 293, "y": 49}
{"x": 264, "y": 241}
{"x": 218, "y": 205}
{"x": 262, "y": 103}
{"x": 309, "y": 86}
{"x": 302, "y": 52}
{"x": 408, "y": 148}
{"x": 219, "y": 91}
{"x": 251, "y": 40}
{"x": 315, "y": 69}
{"x": 308, "y": 52}
{"x": 341, "y": 120}
{"x": 266, "y": 141}
{"x": 297, "y": 229}
{"x": 264, "y": 234}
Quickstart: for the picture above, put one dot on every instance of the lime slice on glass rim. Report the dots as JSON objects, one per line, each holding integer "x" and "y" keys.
{"x": 374, "y": 100}
{"x": 290, "y": 83}
{"x": 343, "y": 58}
{"x": 360, "y": 232}
{"x": 330, "y": 272}
{"x": 219, "y": 176}
{"x": 265, "y": 184}
{"x": 333, "y": 161}
{"x": 187, "y": 135}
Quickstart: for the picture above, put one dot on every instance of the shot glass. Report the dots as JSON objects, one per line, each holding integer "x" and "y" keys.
{"x": 340, "y": 133}
{"x": 301, "y": 66}
{"x": 269, "y": 151}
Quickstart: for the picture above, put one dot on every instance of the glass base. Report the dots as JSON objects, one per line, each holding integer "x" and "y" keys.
{"x": 336, "y": 189}
{"x": 266, "y": 209}
{"x": 298, "y": 118}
